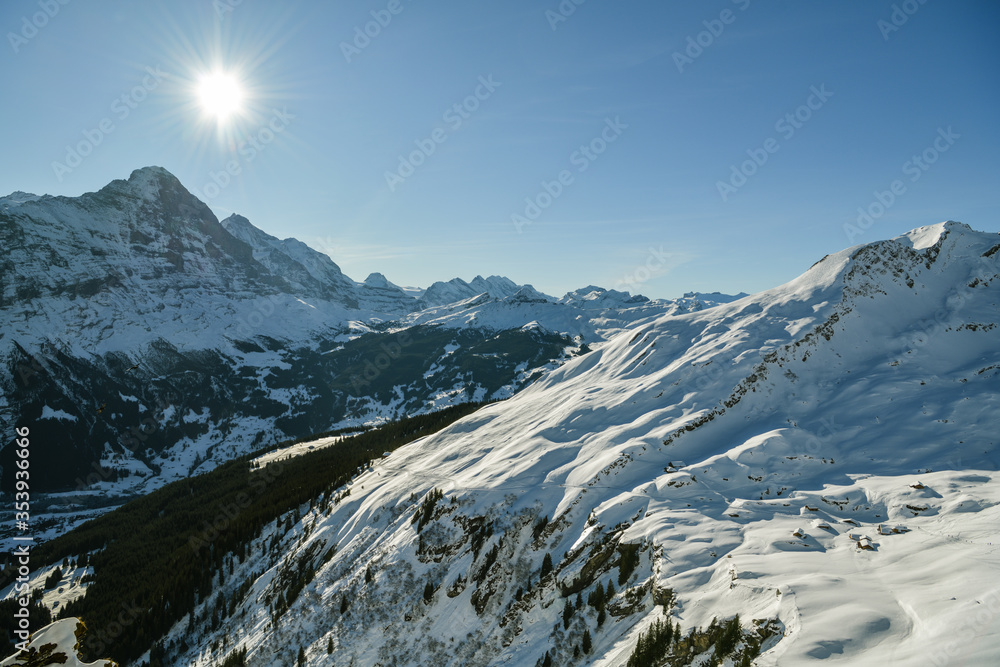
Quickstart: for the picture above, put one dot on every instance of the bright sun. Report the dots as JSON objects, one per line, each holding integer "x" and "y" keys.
{"x": 220, "y": 95}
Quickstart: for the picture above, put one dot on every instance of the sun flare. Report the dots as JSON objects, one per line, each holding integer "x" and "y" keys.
{"x": 220, "y": 95}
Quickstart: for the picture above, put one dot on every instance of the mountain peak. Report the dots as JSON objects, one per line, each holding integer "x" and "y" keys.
{"x": 19, "y": 196}
{"x": 157, "y": 186}
{"x": 925, "y": 237}
{"x": 377, "y": 280}
{"x": 151, "y": 181}
{"x": 236, "y": 223}
{"x": 456, "y": 289}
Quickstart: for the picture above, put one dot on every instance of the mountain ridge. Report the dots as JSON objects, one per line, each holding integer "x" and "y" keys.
{"x": 767, "y": 487}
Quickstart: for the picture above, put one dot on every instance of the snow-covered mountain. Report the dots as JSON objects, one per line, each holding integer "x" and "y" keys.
{"x": 146, "y": 340}
{"x": 308, "y": 272}
{"x": 820, "y": 458}
{"x": 142, "y": 260}
{"x": 384, "y": 295}
{"x": 441, "y": 293}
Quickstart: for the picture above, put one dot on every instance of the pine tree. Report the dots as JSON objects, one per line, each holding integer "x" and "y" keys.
{"x": 586, "y": 645}
{"x": 302, "y": 656}
{"x": 53, "y": 579}
{"x": 652, "y": 645}
{"x": 546, "y": 564}
{"x": 596, "y": 599}
{"x": 547, "y": 662}
{"x": 539, "y": 527}
{"x": 329, "y": 646}
{"x": 567, "y": 614}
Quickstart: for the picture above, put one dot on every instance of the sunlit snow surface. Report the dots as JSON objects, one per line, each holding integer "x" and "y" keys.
{"x": 853, "y": 407}
{"x": 63, "y": 635}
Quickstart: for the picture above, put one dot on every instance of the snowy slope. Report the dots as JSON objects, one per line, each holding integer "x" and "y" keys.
{"x": 57, "y": 643}
{"x": 822, "y": 455}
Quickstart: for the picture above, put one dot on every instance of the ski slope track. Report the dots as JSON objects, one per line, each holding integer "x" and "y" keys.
{"x": 820, "y": 457}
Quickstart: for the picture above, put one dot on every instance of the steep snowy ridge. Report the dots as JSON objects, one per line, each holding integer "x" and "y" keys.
{"x": 384, "y": 295}
{"x": 312, "y": 273}
{"x": 820, "y": 458}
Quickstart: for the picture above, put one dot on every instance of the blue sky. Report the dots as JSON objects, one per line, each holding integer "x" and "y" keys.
{"x": 666, "y": 146}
